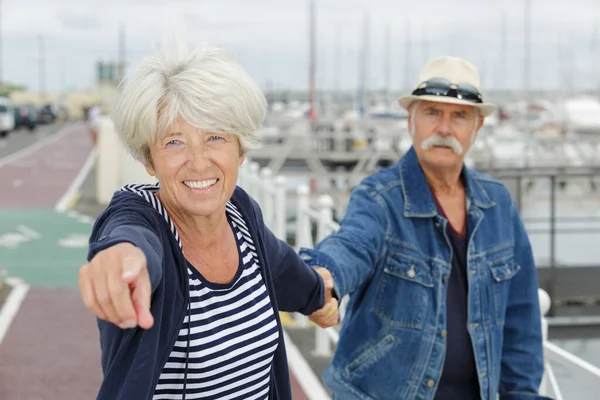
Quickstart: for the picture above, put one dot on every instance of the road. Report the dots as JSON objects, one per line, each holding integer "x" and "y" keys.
{"x": 22, "y": 138}
{"x": 50, "y": 350}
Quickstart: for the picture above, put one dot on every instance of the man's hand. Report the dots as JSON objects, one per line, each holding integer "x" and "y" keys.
{"x": 329, "y": 314}
{"x": 116, "y": 287}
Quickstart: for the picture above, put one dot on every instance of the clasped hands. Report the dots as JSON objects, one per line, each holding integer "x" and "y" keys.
{"x": 328, "y": 315}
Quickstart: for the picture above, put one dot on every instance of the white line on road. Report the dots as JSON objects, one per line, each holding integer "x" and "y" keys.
{"x": 77, "y": 182}
{"x": 11, "y": 306}
{"x": 35, "y": 146}
{"x": 30, "y": 233}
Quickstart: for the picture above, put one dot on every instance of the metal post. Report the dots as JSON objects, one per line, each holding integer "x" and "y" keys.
{"x": 312, "y": 68}
{"x": 527, "y": 62}
{"x": 254, "y": 181}
{"x": 553, "y": 284}
{"x": 322, "y": 342}
{"x": 242, "y": 174}
{"x": 325, "y": 216}
{"x": 1, "y": 49}
{"x": 303, "y": 233}
{"x": 42, "y": 69}
{"x": 545, "y": 303}
{"x": 280, "y": 208}
{"x": 266, "y": 196}
{"x": 519, "y": 194}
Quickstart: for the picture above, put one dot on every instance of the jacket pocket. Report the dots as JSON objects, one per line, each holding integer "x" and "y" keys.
{"x": 370, "y": 355}
{"x": 502, "y": 271}
{"x": 403, "y": 292}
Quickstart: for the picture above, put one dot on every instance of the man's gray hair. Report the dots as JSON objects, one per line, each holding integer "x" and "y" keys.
{"x": 204, "y": 87}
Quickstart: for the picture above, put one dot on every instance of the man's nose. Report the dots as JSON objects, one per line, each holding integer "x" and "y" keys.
{"x": 444, "y": 128}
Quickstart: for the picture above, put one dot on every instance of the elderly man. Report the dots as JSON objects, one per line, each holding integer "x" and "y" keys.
{"x": 437, "y": 263}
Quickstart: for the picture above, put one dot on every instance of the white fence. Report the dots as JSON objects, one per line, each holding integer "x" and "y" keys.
{"x": 270, "y": 192}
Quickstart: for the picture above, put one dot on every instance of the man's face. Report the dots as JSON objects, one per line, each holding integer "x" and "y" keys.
{"x": 443, "y": 133}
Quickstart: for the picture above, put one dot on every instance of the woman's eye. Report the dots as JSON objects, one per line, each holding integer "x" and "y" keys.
{"x": 173, "y": 142}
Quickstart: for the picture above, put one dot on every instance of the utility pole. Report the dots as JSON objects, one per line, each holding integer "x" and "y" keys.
{"x": 1, "y": 58}
{"x": 527, "y": 56}
{"x": 364, "y": 55}
{"x": 387, "y": 72}
{"x": 424, "y": 45}
{"x": 63, "y": 74}
{"x": 407, "y": 55}
{"x": 42, "y": 69}
{"x": 502, "y": 64}
{"x": 312, "y": 68}
{"x": 122, "y": 59}
{"x": 595, "y": 83}
{"x": 337, "y": 64}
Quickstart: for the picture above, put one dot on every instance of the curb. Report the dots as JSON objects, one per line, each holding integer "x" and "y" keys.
{"x": 13, "y": 302}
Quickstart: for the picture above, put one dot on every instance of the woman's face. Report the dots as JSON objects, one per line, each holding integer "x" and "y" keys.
{"x": 197, "y": 170}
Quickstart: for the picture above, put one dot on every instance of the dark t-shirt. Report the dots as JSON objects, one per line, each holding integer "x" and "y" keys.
{"x": 459, "y": 376}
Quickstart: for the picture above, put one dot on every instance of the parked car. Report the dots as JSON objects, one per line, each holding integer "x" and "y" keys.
{"x": 47, "y": 114}
{"x": 7, "y": 116}
{"x": 26, "y": 115}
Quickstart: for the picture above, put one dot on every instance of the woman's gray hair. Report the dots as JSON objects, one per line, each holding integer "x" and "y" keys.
{"x": 203, "y": 86}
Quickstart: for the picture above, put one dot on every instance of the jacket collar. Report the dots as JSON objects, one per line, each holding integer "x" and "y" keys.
{"x": 418, "y": 199}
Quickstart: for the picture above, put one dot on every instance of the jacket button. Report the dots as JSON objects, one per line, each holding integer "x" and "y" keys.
{"x": 444, "y": 333}
{"x": 430, "y": 383}
{"x": 411, "y": 272}
{"x": 445, "y": 278}
{"x": 474, "y": 325}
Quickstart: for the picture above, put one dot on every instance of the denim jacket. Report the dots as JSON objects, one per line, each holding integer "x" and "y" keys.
{"x": 392, "y": 256}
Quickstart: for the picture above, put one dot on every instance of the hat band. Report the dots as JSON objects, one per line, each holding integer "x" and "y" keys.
{"x": 443, "y": 87}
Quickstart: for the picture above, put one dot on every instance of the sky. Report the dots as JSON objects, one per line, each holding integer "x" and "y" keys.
{"x": 54, "y": 44}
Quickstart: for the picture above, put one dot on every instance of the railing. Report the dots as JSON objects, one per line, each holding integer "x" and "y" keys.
{"x": 270, "y": 192}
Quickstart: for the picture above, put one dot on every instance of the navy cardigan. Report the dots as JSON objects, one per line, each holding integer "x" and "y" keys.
{"x": 133, "y": 359}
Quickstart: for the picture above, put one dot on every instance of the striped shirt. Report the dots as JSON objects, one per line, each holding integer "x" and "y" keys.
{"x": 226, "y": 352}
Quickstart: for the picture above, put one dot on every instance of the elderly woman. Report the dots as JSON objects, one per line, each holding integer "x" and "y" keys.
{"x": 185, "y": 278}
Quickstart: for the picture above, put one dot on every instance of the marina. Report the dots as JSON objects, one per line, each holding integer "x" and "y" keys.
{"x": 332, "y": 72}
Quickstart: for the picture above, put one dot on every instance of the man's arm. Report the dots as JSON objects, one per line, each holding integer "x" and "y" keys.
{"x": 522, "y": 365}
{"x": 351, "y": 253}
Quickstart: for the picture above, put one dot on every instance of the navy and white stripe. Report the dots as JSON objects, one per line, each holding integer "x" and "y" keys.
{"x": 148, "y": 192}
{"x": 229, "y": 345}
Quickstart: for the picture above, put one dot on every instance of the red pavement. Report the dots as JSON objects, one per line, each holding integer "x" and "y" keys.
{"x": 51, "y": 350}
{"x": 39, "y": 179}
